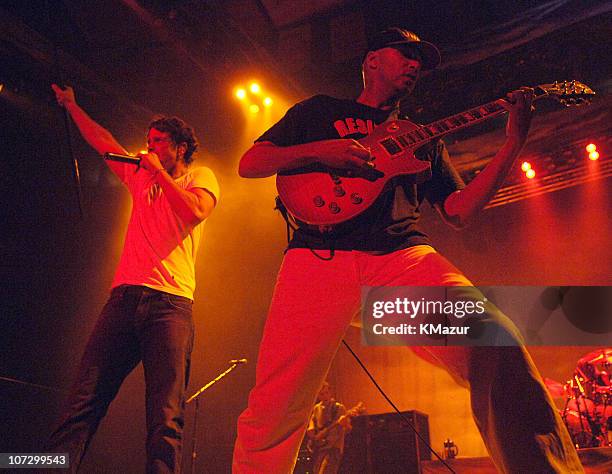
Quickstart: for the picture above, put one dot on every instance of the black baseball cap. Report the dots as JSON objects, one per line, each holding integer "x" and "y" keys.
{"x": 398, "y": 38}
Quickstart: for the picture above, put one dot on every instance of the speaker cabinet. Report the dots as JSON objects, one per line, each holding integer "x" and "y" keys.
{"x": 385, "y": 444}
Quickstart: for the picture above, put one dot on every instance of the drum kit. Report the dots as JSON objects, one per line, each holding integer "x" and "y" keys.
{"x": 588, "y": 400}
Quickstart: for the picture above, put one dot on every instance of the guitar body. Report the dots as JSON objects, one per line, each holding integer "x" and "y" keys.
{"x": 324, "y": 197}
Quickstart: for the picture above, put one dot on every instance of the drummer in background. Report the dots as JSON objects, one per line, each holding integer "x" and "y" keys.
{"x": 596, "y": 366}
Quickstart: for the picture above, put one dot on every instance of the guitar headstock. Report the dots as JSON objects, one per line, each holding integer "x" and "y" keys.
{"x": 567, "y": 93}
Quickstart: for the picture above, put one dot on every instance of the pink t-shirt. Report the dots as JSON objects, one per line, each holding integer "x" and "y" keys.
{"x": 160, "y": 249}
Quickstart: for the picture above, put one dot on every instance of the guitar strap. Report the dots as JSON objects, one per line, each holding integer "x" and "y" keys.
{"x": 292, "y": 226}
{"x": 333, "y": 414}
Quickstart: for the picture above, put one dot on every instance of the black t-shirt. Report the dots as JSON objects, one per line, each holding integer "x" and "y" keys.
{"x": 391, "y": 223}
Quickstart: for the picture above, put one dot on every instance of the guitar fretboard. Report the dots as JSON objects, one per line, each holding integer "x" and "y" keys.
{"x": 397, "y": 143}
{"x": 415, "y": 138}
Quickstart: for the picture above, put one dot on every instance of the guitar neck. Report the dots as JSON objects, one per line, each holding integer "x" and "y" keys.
{"x": 439, "y": 128}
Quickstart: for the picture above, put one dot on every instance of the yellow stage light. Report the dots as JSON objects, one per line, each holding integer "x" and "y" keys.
{"x": 267, "y": 102}
{"x": 526, "y": 166}
{"x": 254, "y": 108}
{"x": 593, "y": 156}
{"x": 255, "y": 88}
{"x": 240, "y": 93}
{"x": 591, "y": 147}
{"x": 530, "y": 173}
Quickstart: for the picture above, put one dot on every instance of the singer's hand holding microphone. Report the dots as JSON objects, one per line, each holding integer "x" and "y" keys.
{"x": 150, "y": 162}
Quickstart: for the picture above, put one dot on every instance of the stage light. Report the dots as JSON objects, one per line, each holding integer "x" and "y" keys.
{"x": 530, "y": 173}
{"x": 526, "y": 166}
{"x": 1, "y": 88}
{"x": 591, "y": 147}
{"x": 267, "y": 102}
{"x": 255, "y": 88}
{"x": 143, "y": 152}
{"x": 593, "y": 156}
{"x": 254, "y": 108}
{"x": 240, "y": 93}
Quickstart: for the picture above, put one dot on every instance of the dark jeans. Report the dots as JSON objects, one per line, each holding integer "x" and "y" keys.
{"x": 136, "y": 324}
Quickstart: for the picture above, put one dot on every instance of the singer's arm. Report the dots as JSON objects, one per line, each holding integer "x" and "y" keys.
{"x": 95, "y": 134}
{"x": 192, "y": 206}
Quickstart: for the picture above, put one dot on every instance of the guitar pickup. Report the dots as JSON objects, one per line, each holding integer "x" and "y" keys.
{"x": 391, "y": 146}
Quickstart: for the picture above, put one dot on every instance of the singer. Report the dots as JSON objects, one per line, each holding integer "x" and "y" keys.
{"x": 148, "y": 316}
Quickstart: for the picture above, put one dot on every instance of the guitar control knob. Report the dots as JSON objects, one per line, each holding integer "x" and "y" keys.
{"x": 339, "y": 191}
{"x": 356, "y": 198}
{"x": 318, "y": 201}
{"x": 334, "y": 208}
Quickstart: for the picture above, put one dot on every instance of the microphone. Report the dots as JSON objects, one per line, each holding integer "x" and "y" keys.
{"x": 238, "y": 361}
{"x": 132, "y": 160}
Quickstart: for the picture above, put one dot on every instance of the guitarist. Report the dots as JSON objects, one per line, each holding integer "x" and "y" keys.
{"x": 326, "y": 430}
{"x": 318, "y": 287}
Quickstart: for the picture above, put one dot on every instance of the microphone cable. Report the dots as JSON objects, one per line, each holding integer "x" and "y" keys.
{"x": 390, "y": 402}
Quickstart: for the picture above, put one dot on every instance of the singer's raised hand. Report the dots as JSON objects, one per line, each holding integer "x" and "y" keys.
{"x": 95, "y": 134}
{"x": 63, "y": 96}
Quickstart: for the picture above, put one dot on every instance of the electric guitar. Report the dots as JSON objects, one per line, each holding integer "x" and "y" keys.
{"x": 328, "y": 436}
{"x": 320, "y": 196}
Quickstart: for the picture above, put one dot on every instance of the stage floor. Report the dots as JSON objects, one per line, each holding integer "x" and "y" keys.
{"x": 594, "y": 460}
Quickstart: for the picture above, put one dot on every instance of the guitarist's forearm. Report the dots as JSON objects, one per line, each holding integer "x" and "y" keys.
{"x": 463, "y": 206}
{"x": 266, "y": 159}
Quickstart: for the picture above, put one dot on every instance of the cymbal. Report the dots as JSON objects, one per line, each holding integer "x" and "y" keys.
{"x": 597, "y": 357}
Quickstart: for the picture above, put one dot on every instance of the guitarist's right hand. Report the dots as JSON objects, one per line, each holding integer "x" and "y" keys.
{"x": 342, "y": 153}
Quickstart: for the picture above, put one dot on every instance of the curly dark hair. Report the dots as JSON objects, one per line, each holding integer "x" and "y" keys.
{"x": 179, "y": 131}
